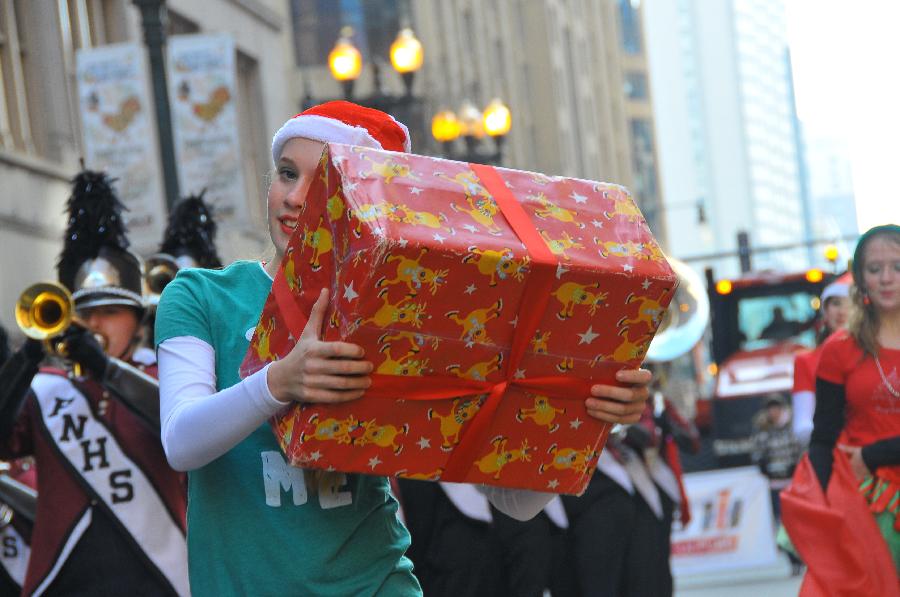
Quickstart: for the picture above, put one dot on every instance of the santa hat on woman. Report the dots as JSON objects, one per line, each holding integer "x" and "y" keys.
{"x": 344, "y": 122}
{"x": 838, "y": 288}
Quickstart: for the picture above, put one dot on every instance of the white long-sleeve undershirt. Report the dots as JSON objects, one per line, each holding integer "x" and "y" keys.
{"x": 803, "y": 405}
{"x": 200, "y": 424}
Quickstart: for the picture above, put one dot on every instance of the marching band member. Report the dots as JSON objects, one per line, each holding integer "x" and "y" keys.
{"x": 18, "y": 505}
{"x": 110, "y": 512}
{"x": 453, "y": 548}
{"x": 333, "y": 533}
{"x": 188, "y": 241}
{"x": 620, "y": 528}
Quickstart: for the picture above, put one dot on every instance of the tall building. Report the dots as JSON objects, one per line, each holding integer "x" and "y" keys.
{"x": 573, "y": 74}
{"x": 40, "y": 126}
{"x": 725, "y": 120}
{"x": 830, "y": 182}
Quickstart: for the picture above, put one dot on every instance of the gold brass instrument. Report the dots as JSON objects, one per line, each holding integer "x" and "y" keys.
{"x": 45, "y": 311}
{"x": 684, "y": 322}
{"x": 159, "y": 270}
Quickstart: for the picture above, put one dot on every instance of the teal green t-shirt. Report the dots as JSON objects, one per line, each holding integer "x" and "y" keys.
{"x": 257, "y": 526}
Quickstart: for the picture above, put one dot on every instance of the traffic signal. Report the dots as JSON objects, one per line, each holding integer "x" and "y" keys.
{"x": 743, "y": 242}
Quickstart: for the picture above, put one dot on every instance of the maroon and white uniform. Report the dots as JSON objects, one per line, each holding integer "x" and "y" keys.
{"x": 110, "y": 512}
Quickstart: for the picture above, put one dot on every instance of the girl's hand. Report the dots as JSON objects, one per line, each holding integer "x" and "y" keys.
{"x": 856, "y": 461}
{"x": 317, "y": 371}
{"x": 615, "y": 404}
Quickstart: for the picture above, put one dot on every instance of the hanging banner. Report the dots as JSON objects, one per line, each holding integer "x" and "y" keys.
{"x": 731, "y": 524}
{"x": 202, "y": 88}
{"x": 118, "y": 132}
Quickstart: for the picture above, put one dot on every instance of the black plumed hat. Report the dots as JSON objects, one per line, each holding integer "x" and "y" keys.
{"x": 191, "y": 234}
{"x": 95, "y": 263}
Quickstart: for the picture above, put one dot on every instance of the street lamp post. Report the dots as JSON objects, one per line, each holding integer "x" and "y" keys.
{"x": 473, "y": 125}
{"x": 406, "y": 56}
{"x": 155, "y": 37}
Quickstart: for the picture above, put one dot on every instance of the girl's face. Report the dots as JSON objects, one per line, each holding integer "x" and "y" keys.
{"x": 117, "y": 323}
{"x": 837, "y": 311}
{"x": 287, "y": 192}
{"x": 881, "y": 273}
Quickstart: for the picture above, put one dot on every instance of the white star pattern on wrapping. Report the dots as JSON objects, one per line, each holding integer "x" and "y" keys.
{"x": 374, "y": 461}
{"x": 470, "y": 228}
{"x": 560, "y": 270}
{"x": 577, "y": 198}
{"x": 628, "y": 267}
{"x": 576, "y": 423}
{"x": 553, "y": 484}
{"x": 424, "y": 442}
{"x": 597, "y": 223}
{"x": 470, "y": 344}
{"x": 350, "y": 186}
{"x": 519, "y": 374}
{"x": 508, "y": 184}
{"x": 403, "y": 242}
{"x": 646, "y": 284}
{"x": 337, "y": 159}
{"x": 415, "y": 190}
{"x": 515, "y": 321}
{"x": 439, "y": 238}
{"x": 588, "y": 336}
{"x": 470, "y": 289}
{"x": 349, "y": 293}
{"x": 315, "y": 456}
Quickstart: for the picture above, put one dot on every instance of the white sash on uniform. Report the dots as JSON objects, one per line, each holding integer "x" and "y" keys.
{"x": 14, "y": 553}
{"x": 556, "y": 513}
{"x": 468, "y": 500}
{"x": 632, "y": 475}
{"x": 111, "y": 476}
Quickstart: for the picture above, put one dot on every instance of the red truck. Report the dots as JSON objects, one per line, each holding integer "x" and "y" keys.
{"x": 759, "y": 322}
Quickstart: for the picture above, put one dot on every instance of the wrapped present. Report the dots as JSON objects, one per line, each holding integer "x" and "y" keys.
{"x": 489, "y": 300}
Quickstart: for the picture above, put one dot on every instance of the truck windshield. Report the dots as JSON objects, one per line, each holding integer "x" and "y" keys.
{"x": 767, "y": 320}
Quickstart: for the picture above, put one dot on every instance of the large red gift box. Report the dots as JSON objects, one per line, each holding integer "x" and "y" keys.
{"x": 489, "y": 300}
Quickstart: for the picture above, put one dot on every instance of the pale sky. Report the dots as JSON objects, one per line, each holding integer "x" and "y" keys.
{"x": 845, "y": 56}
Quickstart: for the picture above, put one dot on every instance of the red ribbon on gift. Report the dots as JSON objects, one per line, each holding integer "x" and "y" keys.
{"x": 537, "y": 292}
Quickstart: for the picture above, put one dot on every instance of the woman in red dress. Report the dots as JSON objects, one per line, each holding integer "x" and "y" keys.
{"x": 858, "y": 385}
{"x": 835, "y": 313}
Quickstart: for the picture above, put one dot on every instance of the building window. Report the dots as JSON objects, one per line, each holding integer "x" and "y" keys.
{"x": 38, "y": 46}
{"x": 252, "y": 124}
{"x": 180, "y": 25}
{"x": 317, "y": 25}
{"x": 643, "y": 166}
{"x": 635, "y": 85}
{"x": 630, "y": 26}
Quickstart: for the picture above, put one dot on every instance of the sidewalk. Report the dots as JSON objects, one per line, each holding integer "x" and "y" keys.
{"x": 775, "y": 581}
{"x": 787, "y": 587}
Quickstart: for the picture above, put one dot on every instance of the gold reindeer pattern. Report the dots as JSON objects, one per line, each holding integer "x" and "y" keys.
{"x": 499, "y": 457}
{"x": 413, "y": 274}
{"x": 497, "y": 264}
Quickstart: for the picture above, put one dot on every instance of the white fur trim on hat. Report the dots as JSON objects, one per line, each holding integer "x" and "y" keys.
{"x": 326, "y": 130}
{"x": 835, "y": 289}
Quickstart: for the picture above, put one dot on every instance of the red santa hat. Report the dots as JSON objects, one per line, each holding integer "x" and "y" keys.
{"x": 344, "y": 122}
{"x": 838, "y": 288}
